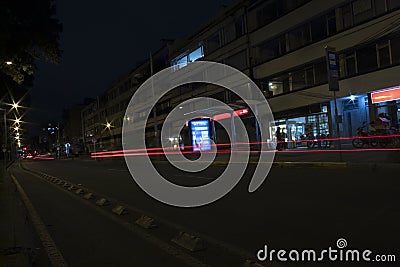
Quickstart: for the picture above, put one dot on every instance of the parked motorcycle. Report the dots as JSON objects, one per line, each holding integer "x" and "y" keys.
{"x": 317, "y": 141}
{"x": 364, "y": 138}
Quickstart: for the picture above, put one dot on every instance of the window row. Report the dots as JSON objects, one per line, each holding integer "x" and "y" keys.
{"x": 360, "y": 60}
{"x": 190, "y": 56}
{"x": 227, "y": 34}
{"x": 371, "y": 57}
{"x": 323, "y": 26}
{"x": 270, "y": 11}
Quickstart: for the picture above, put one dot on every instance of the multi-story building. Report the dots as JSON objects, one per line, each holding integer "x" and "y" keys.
{"x": 280, "y": 44}
{"x": 102, "y": 119}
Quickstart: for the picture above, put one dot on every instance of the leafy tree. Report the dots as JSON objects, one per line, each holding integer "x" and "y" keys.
{"x": 29, "y": 31}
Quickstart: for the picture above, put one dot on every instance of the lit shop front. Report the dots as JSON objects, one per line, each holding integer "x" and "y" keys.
{"x": 302, "y": 124}
{"x": 366, "y": 109}
{"x": 387, "y": 102}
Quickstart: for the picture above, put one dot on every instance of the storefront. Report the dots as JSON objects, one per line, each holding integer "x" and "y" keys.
{"x": 353, "y": 112}
{"x": 386, "y": 102}
{"x": 361, "y": 110}
{"x": 302, "y": 124}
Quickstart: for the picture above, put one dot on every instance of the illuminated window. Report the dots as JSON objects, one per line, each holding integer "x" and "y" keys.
{"x": 182, "y": 60}
{"x": 196, "y": 54}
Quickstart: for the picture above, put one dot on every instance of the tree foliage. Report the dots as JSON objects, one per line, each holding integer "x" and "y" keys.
{"x": 29, "y": 31}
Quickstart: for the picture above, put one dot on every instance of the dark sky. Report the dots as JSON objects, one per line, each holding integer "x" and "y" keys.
{"x": 102, "y": 40}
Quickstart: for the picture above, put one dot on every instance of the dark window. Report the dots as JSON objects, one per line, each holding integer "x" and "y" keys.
{"x": 392, "y": 4}
{"x": 238, "y": 61}
{"x": 380, "y": 7}
{"x": 320, "y": 72}
{"x": 302, "y": 78}
{"x": 348, "y": 65}
{"x": 347, "y": 16}
{"x": 395, "y": 46}
{"x": 239, "y": 27}
{"x": 286, "y": 6}
{"x": 318, "y": 28}
{"x": 233, "y": 98}
{"x": 362, "y": 10}
{"x": 163, "y": 107}
{"x": 298, "y": 80}
{"x": 267, "y": 14}
{"x": 299, "y": 37}
{"x": 309, "y": 75}
{"x": 229, "y": 33}
{"x": 366, "y": 58}
{"x": 271, "y": 49}
{"x": 331, "y": 22}
{"x": 219, "y": 96}
{"x": 268, "y": 50}
{"x": 383, "y": 54}
{"x": 213, "y": 43}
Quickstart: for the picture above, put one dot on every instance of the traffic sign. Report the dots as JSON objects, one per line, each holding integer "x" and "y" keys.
{"x": 332, "y": 68}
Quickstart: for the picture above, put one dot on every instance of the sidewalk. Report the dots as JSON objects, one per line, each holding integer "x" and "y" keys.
{"x": 19, "y": 245}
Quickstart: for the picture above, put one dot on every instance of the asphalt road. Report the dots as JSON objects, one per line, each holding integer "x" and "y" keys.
{"x": 295, "y": 208}
{"x": 85, "y": 237}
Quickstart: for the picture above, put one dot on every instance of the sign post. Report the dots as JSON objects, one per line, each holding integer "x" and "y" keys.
{"x": 94, "y": 140}
{"x": 333, "y": 83}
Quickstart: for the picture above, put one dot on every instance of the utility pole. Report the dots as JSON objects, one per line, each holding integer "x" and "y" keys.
{"x": 333, "y": 82}
{"x": 155, "y": 106}
{"x": 58, "y": 140}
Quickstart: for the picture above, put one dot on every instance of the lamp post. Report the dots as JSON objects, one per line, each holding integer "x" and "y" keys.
{"x": 5, "y": 134}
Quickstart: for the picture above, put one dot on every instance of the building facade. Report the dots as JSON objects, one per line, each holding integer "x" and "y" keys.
{"x": 280, "y": 45}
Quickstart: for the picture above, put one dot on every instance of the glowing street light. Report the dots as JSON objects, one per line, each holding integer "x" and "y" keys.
{"x": 9, "y": 62}
{"x": 108, "y": 125}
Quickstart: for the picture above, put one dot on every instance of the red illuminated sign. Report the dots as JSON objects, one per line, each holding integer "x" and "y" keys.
{"x": 227, "y": 115}
{"x": 386, "y": 95}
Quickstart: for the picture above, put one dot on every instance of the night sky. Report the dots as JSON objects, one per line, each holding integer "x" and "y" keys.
{"x": 103, "y": 40}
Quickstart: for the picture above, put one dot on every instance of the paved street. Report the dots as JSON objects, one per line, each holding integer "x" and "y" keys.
{"x": 294, "y": 208}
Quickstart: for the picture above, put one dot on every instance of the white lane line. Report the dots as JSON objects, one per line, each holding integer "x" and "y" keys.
{"x": 53, "y": 253}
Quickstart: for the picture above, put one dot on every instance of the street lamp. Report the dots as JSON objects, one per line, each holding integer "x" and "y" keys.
{"x": 5, "y": 134}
